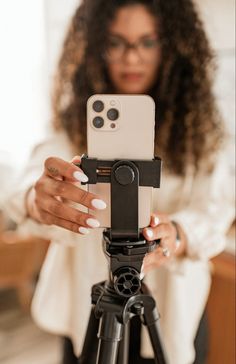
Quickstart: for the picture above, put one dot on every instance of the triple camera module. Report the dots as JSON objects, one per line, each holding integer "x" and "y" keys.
{"x": 112, "y": 114}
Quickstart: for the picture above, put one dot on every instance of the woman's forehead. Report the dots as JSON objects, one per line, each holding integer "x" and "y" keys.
{"x": 133, "y": 21}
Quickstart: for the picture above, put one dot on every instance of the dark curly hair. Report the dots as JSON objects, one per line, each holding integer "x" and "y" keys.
{"x": 189, "y": 129}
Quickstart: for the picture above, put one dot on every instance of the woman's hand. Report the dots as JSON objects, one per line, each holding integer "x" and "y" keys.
{"x": 46, "y": 201}
{"x": 162, "y": 228}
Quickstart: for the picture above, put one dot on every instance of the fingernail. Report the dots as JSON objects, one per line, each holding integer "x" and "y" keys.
{"x": 93, "y": 223}
{"x": 83, "y": 230}
{"x": 98, "y": 204}
{"x": 149, "y": 233}
{"x": 156, "y": 220}
{"x": 141, "y": 276}
{"x": 80, "y": 176}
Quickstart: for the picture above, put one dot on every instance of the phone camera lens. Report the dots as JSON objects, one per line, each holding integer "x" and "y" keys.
{"x": 113, "y": 114}
{"x": 98, "y": 106}
{"x": 98, "y": 122}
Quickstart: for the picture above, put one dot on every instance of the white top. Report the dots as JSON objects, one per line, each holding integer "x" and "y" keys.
{"x": 61, "y": 304}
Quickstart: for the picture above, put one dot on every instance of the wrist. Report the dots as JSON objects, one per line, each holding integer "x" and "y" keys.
{"x": 181, "y": 240}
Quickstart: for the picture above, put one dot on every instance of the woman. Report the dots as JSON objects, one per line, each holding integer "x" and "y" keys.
{"x": 132, "y": 47}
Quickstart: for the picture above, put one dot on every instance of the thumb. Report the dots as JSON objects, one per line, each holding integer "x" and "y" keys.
{"x": 76, "y": 159}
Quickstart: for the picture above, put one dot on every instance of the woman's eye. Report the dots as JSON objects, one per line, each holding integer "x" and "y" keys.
{"x": 114, "y": 43}
{"x": 149, "y": 43}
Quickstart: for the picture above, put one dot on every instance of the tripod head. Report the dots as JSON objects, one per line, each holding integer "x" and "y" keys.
{"x": 123, "y": 243}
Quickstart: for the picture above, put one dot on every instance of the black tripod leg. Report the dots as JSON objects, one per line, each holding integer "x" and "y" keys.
{"x": 151, "y": 318}
{"x": 89, "y": 352}
{"x": 109, "y": 334}
{"x": 123, "y": 352}
{"x": 156, "y": 344}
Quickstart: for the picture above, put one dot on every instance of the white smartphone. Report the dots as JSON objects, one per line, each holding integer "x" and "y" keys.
{"x": 121, "y": 127}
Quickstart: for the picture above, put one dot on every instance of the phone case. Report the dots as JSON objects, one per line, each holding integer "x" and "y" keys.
{"x": 121, "y": 127}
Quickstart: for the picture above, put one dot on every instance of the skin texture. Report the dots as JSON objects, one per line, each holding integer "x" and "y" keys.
{"x": 47, "y": 200}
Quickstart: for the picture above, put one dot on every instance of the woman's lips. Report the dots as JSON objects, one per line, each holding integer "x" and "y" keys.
{"x": 132, "y": 76}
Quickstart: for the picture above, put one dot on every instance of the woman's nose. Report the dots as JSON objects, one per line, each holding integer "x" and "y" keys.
{"x": 131, "y": 56}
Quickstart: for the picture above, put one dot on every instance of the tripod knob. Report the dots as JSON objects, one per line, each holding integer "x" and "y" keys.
{"x": 127, "y": 282}
{"x": 124, "y": 175}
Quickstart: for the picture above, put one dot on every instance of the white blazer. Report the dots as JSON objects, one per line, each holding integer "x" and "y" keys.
{"x": 61, "y": 304}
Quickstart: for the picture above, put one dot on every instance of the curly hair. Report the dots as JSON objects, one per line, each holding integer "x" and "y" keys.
{"x": 189, "y": 129}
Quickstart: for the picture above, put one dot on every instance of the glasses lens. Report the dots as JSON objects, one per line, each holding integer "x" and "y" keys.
{"x": 147, "y": 49}
{"x": 115, "y": 49}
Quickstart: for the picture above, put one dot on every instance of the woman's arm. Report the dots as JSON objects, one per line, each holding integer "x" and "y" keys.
{"x": 201, "y": 225}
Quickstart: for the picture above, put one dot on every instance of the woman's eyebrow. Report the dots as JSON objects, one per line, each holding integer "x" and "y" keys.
{"x": 115, "y": 35}
{"x": 143, "y": 36}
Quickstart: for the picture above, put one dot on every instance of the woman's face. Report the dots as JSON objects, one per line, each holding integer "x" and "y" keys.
{"x": 133, "y": 50}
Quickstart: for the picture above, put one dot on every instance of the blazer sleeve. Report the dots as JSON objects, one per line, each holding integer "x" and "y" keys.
{"x": 210, "y": 211}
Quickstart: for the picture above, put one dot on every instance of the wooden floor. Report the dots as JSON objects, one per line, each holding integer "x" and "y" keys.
{"x": 21, "y": 342}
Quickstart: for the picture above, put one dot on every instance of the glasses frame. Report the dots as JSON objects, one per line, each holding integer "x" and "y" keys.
{"x": 127, "y": 47}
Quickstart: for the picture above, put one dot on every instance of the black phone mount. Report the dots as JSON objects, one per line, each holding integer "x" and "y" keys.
{"x": 124, "y": 295}
{"x": 125, "y": 177}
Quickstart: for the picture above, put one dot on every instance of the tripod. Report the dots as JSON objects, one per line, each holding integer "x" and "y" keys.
{"x": 124, "y": 295}
{"x": 116, "y": 302}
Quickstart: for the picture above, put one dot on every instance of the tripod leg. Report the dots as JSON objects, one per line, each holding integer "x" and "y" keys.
{"x": 89, "y": 352}
{"x": 156, "y": 343}
{"x": 151, "y": 318}
{"x": 123, "y": 352}
{"x": 109, "y": 334}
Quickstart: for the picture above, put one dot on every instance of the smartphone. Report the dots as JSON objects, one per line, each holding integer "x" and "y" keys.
{"x": 121, "y": 127}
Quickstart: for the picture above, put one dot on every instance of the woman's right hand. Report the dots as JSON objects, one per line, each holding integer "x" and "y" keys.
{"x": 47, "y": 200}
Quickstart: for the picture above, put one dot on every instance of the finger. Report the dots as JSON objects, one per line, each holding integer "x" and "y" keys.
{"x": 159, "y": 218}
{"x": 167, "y": 243}
{"x": 65, "y": 212}
{"x": 150, "y": 267}
{"x": 154, "y": 260}
{"x": 54, "y": 220}
{"x": 76, "y": 159}
{"x": 56, "y": 167}
{"x": 159, "y": 232}
{"x": 73, "y": 193}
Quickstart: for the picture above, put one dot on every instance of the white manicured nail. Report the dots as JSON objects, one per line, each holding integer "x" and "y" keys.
{"x": 80, "y": 176}
{"x": 149, "y": 233}
{"x": 93, "y": 222}
{"x": 156, "y": 221}
{"x": 98, "y": 204}
{"x": 141, "y": 276}
{"x": 83, "y": 230}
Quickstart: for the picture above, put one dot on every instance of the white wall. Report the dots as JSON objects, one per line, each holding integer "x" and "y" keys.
{"x": 219, "y": 17}
{"x": 24, "y": 108}
{"x": 57, "y": 15}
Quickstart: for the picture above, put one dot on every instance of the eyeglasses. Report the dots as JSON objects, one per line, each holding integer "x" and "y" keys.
{"x": 117, "y": 48}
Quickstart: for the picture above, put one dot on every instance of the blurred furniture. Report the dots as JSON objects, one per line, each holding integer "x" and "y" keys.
{"x": 221, "y": 308}
{"x": 20, "y": 261}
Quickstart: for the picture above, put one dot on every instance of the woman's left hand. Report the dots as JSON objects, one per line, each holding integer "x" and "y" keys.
{"x": 162, "y": 228}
